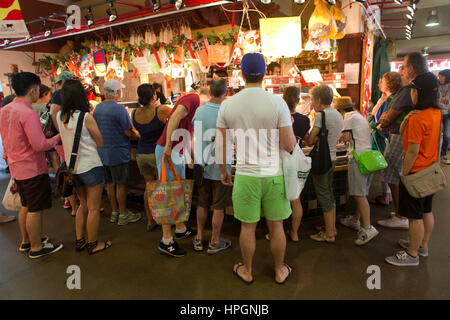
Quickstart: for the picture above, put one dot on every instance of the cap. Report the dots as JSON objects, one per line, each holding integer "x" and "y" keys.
{"x": 65, "y": 75}
{"x": 343, "y": 103}
{"x": 253, "y": 65}
{"x": 113, "y": 85}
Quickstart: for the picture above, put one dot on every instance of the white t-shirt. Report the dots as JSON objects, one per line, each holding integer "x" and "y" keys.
{"x": 88, "y": 157}
{"x": 334, "y": 124}
{"x": 254, "y": 117}
{"x": 360, "y": 132}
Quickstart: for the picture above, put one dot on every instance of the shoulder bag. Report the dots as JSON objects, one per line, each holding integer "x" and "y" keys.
{"x": 320, "y": 154}
{"x": 64, "y": 178}
{"x": 371, "y": 160}
{"x": 426, "y": 182}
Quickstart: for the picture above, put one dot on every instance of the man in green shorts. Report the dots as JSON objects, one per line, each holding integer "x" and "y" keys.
{"x": 261, "y": 124}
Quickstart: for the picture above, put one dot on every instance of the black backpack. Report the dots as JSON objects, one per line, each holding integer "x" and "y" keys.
{"x": 320, "y": 154}
{"x": 46, "y": 119}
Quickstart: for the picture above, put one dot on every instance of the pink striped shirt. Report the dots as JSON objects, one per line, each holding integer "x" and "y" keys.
{"x": 24, "y": 143}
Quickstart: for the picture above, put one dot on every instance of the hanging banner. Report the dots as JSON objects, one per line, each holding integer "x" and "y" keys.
{"x": 12, "y": 24}
{"x": 281, "y": 37}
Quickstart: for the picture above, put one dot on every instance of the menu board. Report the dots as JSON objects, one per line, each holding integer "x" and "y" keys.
{"x": 281, "y": 37}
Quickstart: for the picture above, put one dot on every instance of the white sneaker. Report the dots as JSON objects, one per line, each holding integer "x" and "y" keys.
{"x": 423, "y": 252}
{"x": 394, "y": 223}
{"x": 444, "y": 160}
{"x": 350, "y": 222}
{"x": 365, "y": 235}
{"x": 114, "y": 217}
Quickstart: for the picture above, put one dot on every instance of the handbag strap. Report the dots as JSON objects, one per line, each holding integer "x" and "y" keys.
{"x": 163, "y": 170}
{"x": 76, "y": 141}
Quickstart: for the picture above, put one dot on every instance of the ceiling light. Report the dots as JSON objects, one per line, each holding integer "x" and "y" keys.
{"x": 6, "y": 42}
{"x": 156, "y": 5}
{"x": 29, "y": 38}
{"x": 69, "y": 26}
{"x": 112, "y": 12}
{"x": 433, "y": 19}
{"x": 425, "y": 51}
{"x": 46, "y": 29}
{"x": 303, "y": 1}
{"x": 265, "y": 1}
{"x": 89, "y": 18}
{"x": 398, "y": 1}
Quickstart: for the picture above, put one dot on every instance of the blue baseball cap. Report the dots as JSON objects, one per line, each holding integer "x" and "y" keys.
{"x": 253, "y": 65}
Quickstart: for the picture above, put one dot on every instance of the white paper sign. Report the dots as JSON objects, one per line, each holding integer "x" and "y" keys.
{"x": 143, "y": 65}
{"x": 351, "y": 71}
{"x": 281, "y": 37}
{"x": 312, "y": 75}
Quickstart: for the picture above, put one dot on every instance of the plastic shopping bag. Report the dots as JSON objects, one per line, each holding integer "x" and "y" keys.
{"x": 170, "y": 201}
{"x": 11, "y": 201}
{"x": 296, "y": 167}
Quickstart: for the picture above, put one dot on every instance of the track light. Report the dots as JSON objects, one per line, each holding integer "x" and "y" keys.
{"x": 398, "y": 1}
{"x": 89, "y": 18}
{"x": 46, "y": 29}
{"x": 265, "y": 1}
{"x": 112, "y": 12}
{"x": 301, "y": 1}
{"x": 156, "y": 5}
{"x": 6, "y": 42}
{"x": 69, "y": 26}
{"x": 29, "y": 38}
{"x": 433, "y": 19}
{"x": 179, "y": 4}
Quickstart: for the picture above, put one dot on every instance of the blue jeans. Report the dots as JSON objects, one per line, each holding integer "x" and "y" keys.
{"x": 445, "y": 119}
{"x": 177, "y": 160}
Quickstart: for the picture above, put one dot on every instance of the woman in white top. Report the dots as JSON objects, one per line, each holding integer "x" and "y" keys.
{"x": 88, "y": 173}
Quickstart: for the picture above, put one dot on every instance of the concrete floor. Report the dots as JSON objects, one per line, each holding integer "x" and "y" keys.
{"x": 134, "y": 269}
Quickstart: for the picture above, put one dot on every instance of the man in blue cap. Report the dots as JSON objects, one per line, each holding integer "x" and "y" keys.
{"x": 261, "y": 124}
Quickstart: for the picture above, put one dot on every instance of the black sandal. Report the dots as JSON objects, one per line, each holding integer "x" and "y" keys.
{"x": 80, "y": 244}
{"x": 92, "y": 245}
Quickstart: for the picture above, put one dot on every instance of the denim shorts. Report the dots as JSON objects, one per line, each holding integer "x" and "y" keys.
{"x": 91, "y": 178}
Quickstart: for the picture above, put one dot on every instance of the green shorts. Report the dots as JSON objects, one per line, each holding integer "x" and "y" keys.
{"x": 147, "y": 164}
{"x": 250, "y": 194}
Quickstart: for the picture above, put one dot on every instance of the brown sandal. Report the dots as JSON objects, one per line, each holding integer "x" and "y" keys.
{"x": 92, "y": 245}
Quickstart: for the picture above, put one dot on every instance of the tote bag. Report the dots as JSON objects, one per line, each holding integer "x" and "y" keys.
{"x": 169, "y": 201}
{"x": 11, "y": 201}
{"x": 296, "y": 167}
{"x": 320, "y": 154}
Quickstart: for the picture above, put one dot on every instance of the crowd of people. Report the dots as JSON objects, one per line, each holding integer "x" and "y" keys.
{"x": 405, "y": 127}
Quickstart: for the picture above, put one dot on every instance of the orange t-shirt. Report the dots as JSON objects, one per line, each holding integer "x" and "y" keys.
{"x": 424, "y": 129}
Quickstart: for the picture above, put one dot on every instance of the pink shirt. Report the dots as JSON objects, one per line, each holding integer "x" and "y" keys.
{"x": 24, "y": 143}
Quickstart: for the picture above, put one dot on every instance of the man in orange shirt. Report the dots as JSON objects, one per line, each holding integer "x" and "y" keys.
{"x": 421, "y": 136}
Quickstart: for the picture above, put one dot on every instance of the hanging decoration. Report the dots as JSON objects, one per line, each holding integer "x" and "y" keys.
{"x": 321, "y": 24}
{"x": 341, "y": 21}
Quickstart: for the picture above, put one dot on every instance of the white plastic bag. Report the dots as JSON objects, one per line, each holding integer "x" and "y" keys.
{"x": 296, "y": 167}
{"x": 11, "y": 201}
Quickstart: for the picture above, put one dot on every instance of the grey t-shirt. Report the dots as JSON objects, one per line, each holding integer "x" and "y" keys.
{"x": 334, "y": 123}
{"x": 402, "y": 102}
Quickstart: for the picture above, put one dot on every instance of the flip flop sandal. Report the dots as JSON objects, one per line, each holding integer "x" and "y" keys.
{"x": 80, "y": 244}
{"x": 321, "y": 237}
{"x": 322, "y": 228}
{"x": 267, "y": 236}
{"x": 235, "y": 271}
{"x": 93, "y": 245}
{"x": 289, "y": 274}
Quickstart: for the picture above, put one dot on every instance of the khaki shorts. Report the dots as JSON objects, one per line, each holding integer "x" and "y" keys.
{"x": 147, "y": 164}
{"x": 214, "y": 193}
{"x": 358, "y": 183}
{"x": 323, "y": 185}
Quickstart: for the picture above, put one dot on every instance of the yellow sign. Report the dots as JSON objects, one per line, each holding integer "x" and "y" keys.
{"x": 281, "y": 37}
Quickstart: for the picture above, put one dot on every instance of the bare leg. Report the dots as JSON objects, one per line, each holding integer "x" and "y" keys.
{"x": 111, "y": 191}
{"x": 247, "y": 243}
{"x": 202, "y": 215}
{"x": 34, "y": 230}
{"x": 73, "y": 204}
{"x": 82, "y": 213}
{"x": 428, "y": 221}
{"x": 278, "y": 248}
{"x": 330, "y": 222}
{"x": 23, "y": 212}
{"x": 94, "y": 198}
{"x": 167, "y": 231}
{"x": 296, "y": 218}
{"x": 395, "y": 198}
{"x": 122, "y": 198}
{"x": 363, "y": 208}
{"x": 416, "y": 232}
{"x": 217, "y": 222}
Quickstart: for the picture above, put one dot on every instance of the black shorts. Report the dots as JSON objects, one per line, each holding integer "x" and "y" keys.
{"x": 35, "y": 193}
{"x": 413, "y": 208}
{"x": 214, "y": 193}
{"x": 120, "y": 174}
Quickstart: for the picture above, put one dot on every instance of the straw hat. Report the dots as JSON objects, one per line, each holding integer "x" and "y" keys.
{"x": 343, "y": 103}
